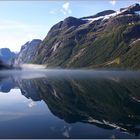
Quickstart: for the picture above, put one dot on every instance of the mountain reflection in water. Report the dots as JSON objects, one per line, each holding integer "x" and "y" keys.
{"x": 106, "y": 99}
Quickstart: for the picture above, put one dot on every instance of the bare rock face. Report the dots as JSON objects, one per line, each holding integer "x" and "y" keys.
{"x": 69, "y": 22}
{"x": 27, "y": 52}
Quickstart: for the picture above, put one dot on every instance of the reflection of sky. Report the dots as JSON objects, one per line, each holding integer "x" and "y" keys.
{"x": 13, "y": 96}
{"x": 13, "y": 106}
{"x": 20, "y": 116}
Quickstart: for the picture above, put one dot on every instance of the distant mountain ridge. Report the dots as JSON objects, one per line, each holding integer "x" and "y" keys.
{"x": 92, "y": 42}
{"x": 103, "y": 13}
{"x": 6, "y": 55}
{"x": 27, "y": 52}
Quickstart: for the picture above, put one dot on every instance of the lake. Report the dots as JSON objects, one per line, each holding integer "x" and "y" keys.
{"x": 69, "y": 104}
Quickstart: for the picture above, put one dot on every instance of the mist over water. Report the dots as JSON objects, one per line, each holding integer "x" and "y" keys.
{"x": 32, "y": 66}
{"x": 61, "y": 103}
{"x": 40, "y": 70}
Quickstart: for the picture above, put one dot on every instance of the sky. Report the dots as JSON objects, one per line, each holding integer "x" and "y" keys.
{"x": 22, "y": 21}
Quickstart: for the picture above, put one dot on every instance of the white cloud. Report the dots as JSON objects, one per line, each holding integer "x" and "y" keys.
{"x": 113, "y": 2}
{"x": 65, "y": 9}
{"x": 66, "y": 5}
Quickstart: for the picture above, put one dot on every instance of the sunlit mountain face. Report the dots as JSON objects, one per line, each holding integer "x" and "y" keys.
{"x": 61, "y": 101}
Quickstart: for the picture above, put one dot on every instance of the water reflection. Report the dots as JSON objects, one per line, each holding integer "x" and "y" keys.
{"x": 107, "y": 100}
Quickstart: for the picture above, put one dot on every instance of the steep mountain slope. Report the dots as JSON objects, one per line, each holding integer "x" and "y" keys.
{"x": 94, "y": 41}
{"x": 6, "y": 55}
{"x": 27, "y": 52}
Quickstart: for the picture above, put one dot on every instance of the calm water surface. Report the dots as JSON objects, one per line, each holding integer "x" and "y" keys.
{"x": 69, "y": 104}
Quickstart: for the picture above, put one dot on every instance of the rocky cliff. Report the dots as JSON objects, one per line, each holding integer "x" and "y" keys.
{"x": 27, "y": 52}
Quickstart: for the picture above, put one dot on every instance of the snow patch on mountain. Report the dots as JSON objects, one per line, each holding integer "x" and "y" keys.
{"x": 110, "y": 15}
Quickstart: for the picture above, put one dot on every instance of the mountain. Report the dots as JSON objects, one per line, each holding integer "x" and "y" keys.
{"x": 107, "y": 39}
{"x": 103, "y": 13}
{"x": 6, "y": 55}
{"x": 27, "y": 52}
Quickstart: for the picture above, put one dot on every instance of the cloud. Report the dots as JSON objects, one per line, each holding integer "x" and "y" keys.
{"x": 66, "y": 6}
{"x": 113, "y": 2}
{"x": 65, "y": 9}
